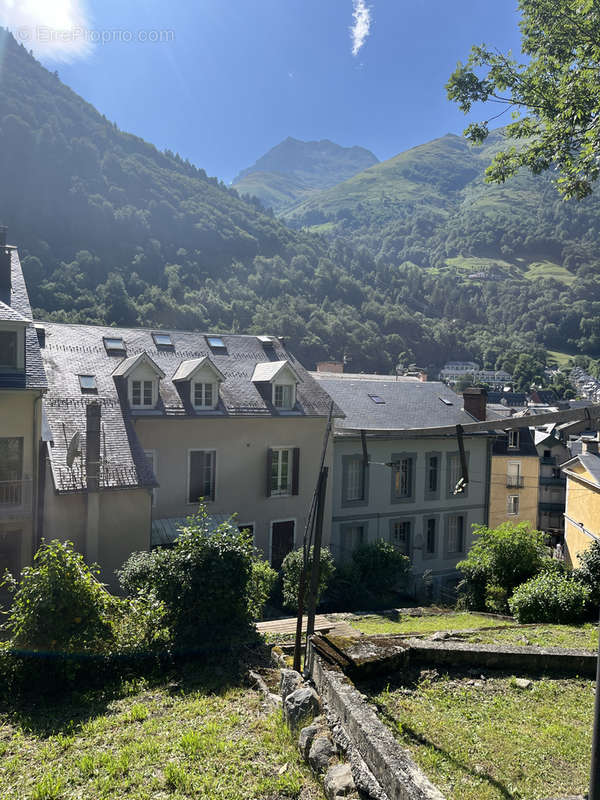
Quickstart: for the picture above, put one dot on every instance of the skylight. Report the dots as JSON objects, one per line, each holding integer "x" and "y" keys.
{"x": 376, "y": 399}
{"x": 162, "y": 339}
{"x": 88, "y": 383}
{"x": 114, "y": 344}
{"x": 215, "y": 341}
{"x": 446, "y": 402}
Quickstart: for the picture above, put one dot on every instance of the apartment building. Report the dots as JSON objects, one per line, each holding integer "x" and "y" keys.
{"x": 514, "y": 485}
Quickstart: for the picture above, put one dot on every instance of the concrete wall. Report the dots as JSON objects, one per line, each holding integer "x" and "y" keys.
{"x": 241, "y": 446}
{"x": 125, "y": 523}
{"x": 528, "y": 495}
{"x": 582, "y": 509}
{"x": 20, "y": 417}
{"x": 380, "y": 510}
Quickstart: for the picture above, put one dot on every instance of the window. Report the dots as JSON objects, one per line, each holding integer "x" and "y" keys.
{"x": 281, "y": 471}
{"x": 351, "y": 536}
{"x": 201, "y": 475}
{"x": 150, "y": 455}
{"x": 514, "y": 479}
{"x": 433, "y": 463}
{"x": 87, "y": 383}
{"x": 430, "y": 536}
{"x": 453, "y": 471}
{"x": 162, "y": 339}
{"x": 142, "y": 393}
{"x": 114, "y": 345}
{"x": 204, "y": 395}
{"x": 400, "y": 535}
{"x": 456, "y": 524}
{"x": 376, "y": 399}
{"x": 512, "y": 504}
{"x": 402, "y": 477}
{"x": 513, "y": 439}
{"x": 216, "y": 342}
{"x": 8, "y": 349}
{"x": 354, "y": 490}
{"x": 547, "y": 453}
{"x": 11, "y": 470}
{"x": 283, "y": 395}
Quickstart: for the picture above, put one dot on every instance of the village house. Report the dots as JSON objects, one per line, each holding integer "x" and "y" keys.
{"x": 142, "y": 423}
{"x": 514, "y": 485}
{"x": 22, "y": 385}
{"x": 582, "y": 505}
{"x": 407, "y": 492}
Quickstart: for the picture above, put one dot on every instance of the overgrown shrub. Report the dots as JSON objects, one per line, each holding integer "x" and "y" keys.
{"x": 588, "y": 572}
{"x": 379, "y": 565}
{"x": 500, "y": 559}
{"x": 291, "y": 569}
{"x": 262, "y": 581}
{"x": 203, "y": 583}
{"x": 59, "y": 604}
{"x": 550, "y": 597}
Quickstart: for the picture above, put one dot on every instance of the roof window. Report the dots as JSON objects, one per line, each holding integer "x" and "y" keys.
{"x": 446, "y": 402}
{"x": 215, "y": 342}
{"x": 88, "y": 384}
{"x": 162, "y": 339}
{"x": 114, "y": 344}
{"x": 376, "y": 399}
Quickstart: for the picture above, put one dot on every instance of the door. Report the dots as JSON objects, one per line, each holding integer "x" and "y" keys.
{"x": 282, "y": 541}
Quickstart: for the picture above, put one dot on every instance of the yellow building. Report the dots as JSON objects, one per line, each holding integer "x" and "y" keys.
{"x": 582, "y": 509}
{"x": 514, "y": 481}
{"x": 22, "y": 384}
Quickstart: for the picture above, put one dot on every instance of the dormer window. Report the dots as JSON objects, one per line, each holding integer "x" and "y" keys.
{"x": 203, "y": 378}
{"x": 513, "y": 439}
{"x": 204, "y": 395}
{"x": 8, "y": 349}
{"x": 283, "y": 395}
{"x": 142, "y": 375}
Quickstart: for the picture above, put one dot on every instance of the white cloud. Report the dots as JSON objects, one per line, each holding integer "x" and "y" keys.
{"x": 56, "y": 30}
{"x": 362, "y": 25}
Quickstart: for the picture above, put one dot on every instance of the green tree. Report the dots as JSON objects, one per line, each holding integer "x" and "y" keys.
{"x": 554, "y": 93}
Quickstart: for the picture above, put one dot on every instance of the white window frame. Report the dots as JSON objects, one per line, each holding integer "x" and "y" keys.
{"x": 189, "y": 475}
{"x": 453, "y": 533}
{"x": 354, "y": 463}
{"x": 291, "y": 388}
{"x": 513, "y": 439}
{"x": 142, "y": 381}
{"x": 288, "y": 490}
{"x": 204, "y": 406}
{"x": 512, "y": 505}
{"x": 407, "y": 542}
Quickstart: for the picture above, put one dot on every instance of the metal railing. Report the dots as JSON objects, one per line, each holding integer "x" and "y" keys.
{"x": 514, "y": 482}
{"x": 15, "y": 497}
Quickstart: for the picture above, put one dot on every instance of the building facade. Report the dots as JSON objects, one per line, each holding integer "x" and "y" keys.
{"x": 514, "y": 485}
{"x": 582, "y": 505}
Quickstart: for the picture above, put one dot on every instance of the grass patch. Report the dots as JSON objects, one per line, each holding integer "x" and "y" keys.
{"x": 375, "y": 623}
{"x": 547, "y": 269}
{"x": 202, "y": 735}
{"x": 562, "y": 360}
{"x": 579, "y": 637}
{"x": 489, "y": 740}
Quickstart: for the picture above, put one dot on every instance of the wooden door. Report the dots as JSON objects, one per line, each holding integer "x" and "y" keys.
{"x": 282, "y": 542}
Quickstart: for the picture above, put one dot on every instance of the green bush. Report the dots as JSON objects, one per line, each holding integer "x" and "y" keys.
{"x": 262, "y": 581}
{"x": 588, "y": 572}
{"x": 550, "y": 597}
{"x": 291, "y": 570}
{"x": 202, "y": 584}
{"x": 500, "y": 559}
{"x": 60, "y": 606}
{"x": 379, "y": 566}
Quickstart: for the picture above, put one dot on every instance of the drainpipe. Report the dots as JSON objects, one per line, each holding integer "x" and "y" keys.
{"x": 35, "y": 474}
{"x": 92, "y": 468}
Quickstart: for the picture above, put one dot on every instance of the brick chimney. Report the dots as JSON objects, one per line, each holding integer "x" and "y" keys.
{"x": 475, "y": 402}
{"x": 330, "y": 366}
{"x": 589, "y": 445}
{"x": 5, "y": 262}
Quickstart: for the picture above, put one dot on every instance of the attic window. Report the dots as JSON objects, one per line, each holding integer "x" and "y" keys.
{"x": 114, "y": 344}
{"x": 513, "y": 439}
{"x": 446, "y": 402}
{"x": 376, "y": 399}
{"x": 215, "y": 342}
{"x": 88, "y": 384}
{"x": 162, "y": 339}
{"x": 265, "y": 340}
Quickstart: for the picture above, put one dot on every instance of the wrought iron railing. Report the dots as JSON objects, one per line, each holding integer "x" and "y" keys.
{"x": 15, "y": 496}
{"x": 514, "y": 482}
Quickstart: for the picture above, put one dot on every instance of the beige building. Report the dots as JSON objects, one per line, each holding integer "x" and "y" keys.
{"x": 22, "y": 385}
{"x": 142, "y": 424}
{"x": 514, "y": 483}
{"x": 582, "y": 508}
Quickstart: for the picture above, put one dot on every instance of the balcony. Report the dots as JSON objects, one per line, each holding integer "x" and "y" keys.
{"x": 551, "y": 508}
{"x": 15, "y": 499}
{"x": 548, "y": 460}
{"x": 514, "y": 482}
{"x": 552, "y": 481}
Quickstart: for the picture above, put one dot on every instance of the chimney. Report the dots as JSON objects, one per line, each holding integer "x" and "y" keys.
{"x": 330, "y": 366}
{"x": 5, "y": 262}
{"x": 589, "y": 445}
{"x": 423, "y": 376}
{"x": 475, "y": 402}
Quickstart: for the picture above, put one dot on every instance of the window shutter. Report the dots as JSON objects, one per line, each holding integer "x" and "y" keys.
{"x": 296, "y": 470}
{"x": 269, "y": 469}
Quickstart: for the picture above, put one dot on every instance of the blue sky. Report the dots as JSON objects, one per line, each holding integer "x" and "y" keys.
{"x": 232, "y": 78}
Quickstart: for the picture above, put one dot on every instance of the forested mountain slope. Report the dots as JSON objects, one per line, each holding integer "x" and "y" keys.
{"x": 294, "y": 169}
{"x": 112, "y": 230}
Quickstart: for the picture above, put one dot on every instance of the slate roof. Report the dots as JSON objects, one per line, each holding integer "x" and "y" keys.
{"x": 590, "y": 462}
{"x": 73, "y": 350}
{"x": 508, "y": 398}
{"x": 8, "y": 314}
{"x": 526, "y": 445}
{"x": 407, "y": 404}
{"x": 17, "y": 300}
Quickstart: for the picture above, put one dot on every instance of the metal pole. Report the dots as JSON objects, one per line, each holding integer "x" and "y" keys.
{"x": 315, "y": 572}
{"x": 298, "y": 640}
{"x": 594, "y": 793}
